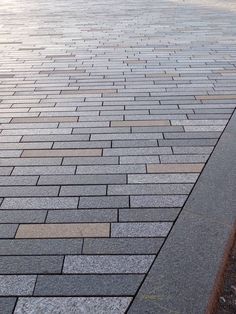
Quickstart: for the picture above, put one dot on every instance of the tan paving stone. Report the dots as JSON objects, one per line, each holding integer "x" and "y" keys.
{"x": 63, "y": 230}
{"x": 169, "y": 168}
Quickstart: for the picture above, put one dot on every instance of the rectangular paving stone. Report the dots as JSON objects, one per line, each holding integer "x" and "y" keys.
{"x": 88, "y": 215}
{"x": 122, "y": 245}
{"x": 82, "y": 145}
{"x": 126, "y": 136}
{"x": 41, "y": 170}
{"x": 112, "y": 305}
{"x": 193, "y": 150}
{"x": 155, "y": 129}
{"x": 96, "y": 130}
{"x": 183, "y": 159}
{"x": 192, "y": 135}
{"x": 18, "y": 180}
{"x": 17, "y": 285}
{"x": 109, "y": 169}
{"x": 63, "y": 230}
{"x": 40, "y": 247}
{"x": 61, "y": 152}
{"x": 82, "y": 190}
{"x": 148, "y": 189}
{"x": 107, "y": 264}
{"x": 55, "y": 138}
{"x": 140, "y": 229}
{"x": 204, "y": 128}
{"x": 140, "y": 123}
{"x": 104, "y": 202}
{"x": 22, "y": 191}
{"x": 40, "y": 203}
{"x": 90, "y": 161}
{"x": 199, "y": 122}
{"x": 134, "y": 143}
{"x": 170, "y": 168}
{"x": 136, "y": 151}
{"x": 162, "y": 178}
{"x": 187, "y": 142}
{"x": 148, "y": 214}
{"x": 30, "y": 264}
{"x": 157, "y": 201}
{"x": 30, "y": 161}
{"x": 83, "y": 179}
{"x": 8, "y": 230}
{"x": 84, "y": 285}
{"x": 22, "y": 216}
{"x": 139, "y": 159}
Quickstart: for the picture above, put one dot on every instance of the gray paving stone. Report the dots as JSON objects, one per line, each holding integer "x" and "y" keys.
{"x": 30, "y": 161}
{"x": 71, "y": 305}
{"x": 107, "y": 264}
{"x": 140, "y": 229}
{"x": 188, "y": 142}
{"x": 204, "y": 128}
{"x": 136, "y": 151}
{"x": 163, "y": 178}
{"x": 7, "y": 305}
{"x": 55, "y": 138}
{"x": 158, "y": 201}
{"x": 90, "y": 144}
{"x": 40, "y": 247}
{"x": 134, "y": 143}
{"x": 104, "y": 202}
{"x": 83, "y": 179}
{"x": 18, "y": 180}
{"x": 173, "y": 159}
{"x": 43, "y": 170}
{"x": 5, "y": 171}
{"x": 82, "y": 285}
{"x": 30, "y": 264}
{"x": 148, "y": 214}
{"x": 134, "y": 189}
{"x": 126, "y": 137}
{"x": 107, "y": 169}
{"x": 22, "y": 191}
{"x": 17, "y": 285}
{"x": 98, "y": 130}
{"x": 156, "y": 129}
{"x": 221, "y": 116}
{"x": 200, "y": 122}
{"x": 192, "y": 135}
{"x": 83, "y": 190}
{"x": 40, "y": 203}
{"x": 22, "y": 216}
{"x": 8, "y": 230}
{"x": 193, "y": 150}
{"x": 90, "y": 215}
{"x": 139, "y": 159}
{"x": 90, "y": 161}
{"x": 122, "y": 245}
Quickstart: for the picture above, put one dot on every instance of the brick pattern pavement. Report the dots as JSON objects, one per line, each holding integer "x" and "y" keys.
{"x": 108, "y": 112}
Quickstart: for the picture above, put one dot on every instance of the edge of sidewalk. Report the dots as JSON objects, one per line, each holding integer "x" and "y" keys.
{"x": 184, "y": 277}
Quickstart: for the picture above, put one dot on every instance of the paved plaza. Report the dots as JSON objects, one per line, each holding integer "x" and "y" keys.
{"x": 109, "y": 112}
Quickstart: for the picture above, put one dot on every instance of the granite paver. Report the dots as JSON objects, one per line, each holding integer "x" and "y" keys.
{"x": 109, "y": 112}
